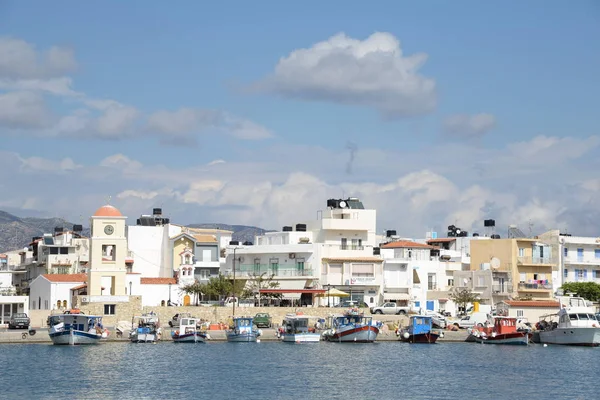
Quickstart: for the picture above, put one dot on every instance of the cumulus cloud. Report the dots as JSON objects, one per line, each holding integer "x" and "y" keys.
{"x": 23, "y": 110}
{"x": 469, "y": 126}
{"x": 373, "y": 72}
{"x": 21, "y": 60}
{"x": 45, "y": 165}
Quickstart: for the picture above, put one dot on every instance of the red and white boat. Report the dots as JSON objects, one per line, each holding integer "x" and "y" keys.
{"x": 353, "y": 326}
{"x": 504, "y": 331}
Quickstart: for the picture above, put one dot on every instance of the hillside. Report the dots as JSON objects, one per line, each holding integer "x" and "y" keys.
{"x": 16, "y": 232}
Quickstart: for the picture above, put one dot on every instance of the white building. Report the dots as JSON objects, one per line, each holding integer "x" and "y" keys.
{"x": 578, "y": 257}
{"x": 335, "y": 250}
{"x": 56, "y": 291}
{"x": 160, "y": 291}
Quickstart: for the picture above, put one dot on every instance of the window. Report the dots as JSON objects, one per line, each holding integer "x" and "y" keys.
{"x": 521, "y": 252}
{"x": 109, "y": 309}
{"x": 481, "y": 281}
{"x": 274, "y": 263}
{"x": 108, "y": 253}
{"x": 344, "y": 244}
{"x": 431, "y": 281}
{"x": 53, "y": 250}
{"x": 63, "y": 250}
{"x": 300, "y": 266}
{"x": 357, "y": 244}
{"x": 45, "y": 304}
{"x": 566, "y": 273}
{"x": 520, "y": 313}
{"x": 450, "y": 282}
{"x": 566, "y": 251}
{"x": 522, "y": 277}
{"x": 596, "y": 274}
{"x": 257, "y": 265}
{"x": 597, "y": 253}
{"x": 367, "y": 270}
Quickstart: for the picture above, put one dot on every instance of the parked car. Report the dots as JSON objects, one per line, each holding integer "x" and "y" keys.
{"x": 390, "y": 308}
{"x": 352, "y": 303}
{"x": 175, "y": 321}
{"x": 437, "y": 319}
{"x": 262, "y": 320}
{"x": 19, "y": 320}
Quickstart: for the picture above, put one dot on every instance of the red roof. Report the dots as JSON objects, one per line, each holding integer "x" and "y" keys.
{"x": 79, "y": 287}
{"x": 406, "y": 244}
{"x": 158, "y": 281}
{"x": 107, "y": 211}
{"x": 533, "y": 303}
{"x": 441, "y": 240}
{"x": 67, "y": 278}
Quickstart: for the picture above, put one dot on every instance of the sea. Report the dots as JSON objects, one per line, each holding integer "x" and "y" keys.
{"x": 274, "y": 370}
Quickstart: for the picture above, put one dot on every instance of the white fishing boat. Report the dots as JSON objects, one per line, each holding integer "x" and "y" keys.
{"x": 74, "y": 328}
{"x": 243, "y": 330}
{"x": 352, "y": 326}
{"x": 188, "y": 332}
{"x": 145, "y": 329}
{"x": 575, "y": 324}
{"x": 297, "y": 329}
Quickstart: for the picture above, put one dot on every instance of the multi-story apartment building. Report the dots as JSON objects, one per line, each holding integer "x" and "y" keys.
{"x": 526, "y": 265}
{"x": 335, "y": 251}
{"x": 577, "y": 257}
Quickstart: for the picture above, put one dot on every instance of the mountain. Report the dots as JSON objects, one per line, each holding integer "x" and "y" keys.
{"x": 242, "y": 233}
{"x": 16, "y": 233}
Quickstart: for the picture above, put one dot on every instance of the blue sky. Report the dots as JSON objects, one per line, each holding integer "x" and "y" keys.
{"x": 436, "y": 130}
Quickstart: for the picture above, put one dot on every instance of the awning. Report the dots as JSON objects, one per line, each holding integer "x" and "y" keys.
{"x": 312, "y": 291}
{"x": 396, "y": 296}
{"x": 333, "y": 292}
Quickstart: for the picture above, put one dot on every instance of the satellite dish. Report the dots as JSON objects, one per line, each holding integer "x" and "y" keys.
{"x": 458, "y": 231}
{"x": 465, "y": 281}
{"x": 342, "y": 204}
{"x": 495, "y": 263}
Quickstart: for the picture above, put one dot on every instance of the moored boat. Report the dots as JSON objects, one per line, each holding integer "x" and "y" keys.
{"x": 243, "y": 330}
{"x": 75, "y": 327}
{"x": 419, "y": 330}
{"x": 503, "y": 331}
{"x": 188, "y": 332}
{"x": 296, "y": 329}
{"x": 577, "y": 324}
{"x": 352, "y": 327}
{"x": 147, "y": 330}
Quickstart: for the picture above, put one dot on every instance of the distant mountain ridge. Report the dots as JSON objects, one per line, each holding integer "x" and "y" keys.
{"x": 16, "y": 232}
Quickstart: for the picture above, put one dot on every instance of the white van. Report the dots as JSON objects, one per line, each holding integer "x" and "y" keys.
{"x": 474, "y": 319}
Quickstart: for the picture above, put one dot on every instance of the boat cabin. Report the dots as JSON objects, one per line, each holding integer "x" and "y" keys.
{"x": 351, "y": 317}
{"x": 187, "y": 325}
{"x": 419, "y": 324}
{"x": 505, "y": 325}
{"x": 243, "y": 324}
{"x": 77, "y": 322}
{"x": 297, "y": 324}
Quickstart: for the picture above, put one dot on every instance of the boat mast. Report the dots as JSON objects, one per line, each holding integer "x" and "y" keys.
{"x": 234, "y": 298}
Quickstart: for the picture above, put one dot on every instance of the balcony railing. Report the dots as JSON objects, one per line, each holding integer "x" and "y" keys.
{"x": 502, "y": 289}
{"x": 535, "y": 260}
{"x": 535, "y": 286}
{"x": 351, "y": 247}
{"x": 249, "y": 270}
{"x": 582, "y": 260}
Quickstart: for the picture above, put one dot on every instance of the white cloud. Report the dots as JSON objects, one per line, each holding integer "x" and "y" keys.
{"x": 120, "y": 162}
{"x": 21, "y": 60}
{"x": 468, "y": 126}
{"x": 371, "y": 72}
{"x": 23, "y": 110}
{"x": 45, "y": 165}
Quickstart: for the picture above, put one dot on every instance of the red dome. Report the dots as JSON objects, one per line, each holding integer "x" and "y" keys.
{"x": 107, "y": 211}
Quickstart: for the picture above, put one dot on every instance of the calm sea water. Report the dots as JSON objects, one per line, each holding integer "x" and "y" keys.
{"x": 272, "y": 370}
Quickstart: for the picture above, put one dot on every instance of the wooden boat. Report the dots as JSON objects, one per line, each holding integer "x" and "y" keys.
{"x": 503, "y": 331}
{"x": 419, "y": 330}
{"x": 296, "y": 329}
{"x": 148, "y": 329}
{"x": 75, "y": 327}
{"x": 243, "y": 330}
{"x": 352, "y": 326}
{"x": 188, "y": 332}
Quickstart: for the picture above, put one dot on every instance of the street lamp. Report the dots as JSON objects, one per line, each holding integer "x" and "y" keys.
{"x": 169, "y": 303}
{"x": 328, "y": 287}
{"x": 130, "y": 287}
{"x": 234, "y": 296}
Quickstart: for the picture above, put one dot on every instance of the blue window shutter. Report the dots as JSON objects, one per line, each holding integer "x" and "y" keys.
{"x": 585, "y": 273}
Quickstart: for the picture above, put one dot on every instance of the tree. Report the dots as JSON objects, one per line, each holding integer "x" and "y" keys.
{"x": 257, "y": 282}
{"x": 463, "y": 296}
{"x": 195, "y": 290}
{"x": 587, "y": 290}
{"x": 219, "y": 286}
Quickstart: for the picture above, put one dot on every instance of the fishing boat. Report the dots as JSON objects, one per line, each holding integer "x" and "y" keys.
{"x": 147, "y": 330}
{"x": 503, "y": 331}
{"x": 74, "y": 328}
{"x": 352, "y": 326}
{"x": 296, "y": 329}
{"x": 243, "y": 330}
{"x": 577, "y": 324}
{"x": 419, "y": 330}
{"x": 188, "y": 332}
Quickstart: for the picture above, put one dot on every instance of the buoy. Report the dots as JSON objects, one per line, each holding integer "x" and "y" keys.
{"x": 545, "y": 345}
{"x": 405, "y": 335}
{"x": 257, "y": 340}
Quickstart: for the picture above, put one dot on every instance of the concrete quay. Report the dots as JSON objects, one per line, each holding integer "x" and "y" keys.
{"x": 269, "y": 335}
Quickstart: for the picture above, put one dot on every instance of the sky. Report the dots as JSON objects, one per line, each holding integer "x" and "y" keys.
{"x": 431, "y": 112}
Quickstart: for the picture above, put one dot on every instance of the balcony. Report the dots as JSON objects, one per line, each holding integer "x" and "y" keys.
{"x": 351, "y": 247}
{"x": 282, "y": 271}
{"x": 528, "y": 260}
{"x": 350, "y": 224}
{"x": 525, "y": 287}
{"x": 582, "y": 260}
{"x": 500, "y": 290}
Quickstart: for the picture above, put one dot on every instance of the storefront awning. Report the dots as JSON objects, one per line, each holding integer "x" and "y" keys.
{"x": 283, "y": 291}
{"x": 396, "y": 296}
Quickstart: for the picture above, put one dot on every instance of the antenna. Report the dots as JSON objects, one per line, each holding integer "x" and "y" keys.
{"x": 108, "y": 199}
{"x": 530, "y": 224}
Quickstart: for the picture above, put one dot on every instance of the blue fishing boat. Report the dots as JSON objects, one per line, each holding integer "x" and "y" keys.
{"x": 419, "y": 330}
{"x": 243, "y": 330}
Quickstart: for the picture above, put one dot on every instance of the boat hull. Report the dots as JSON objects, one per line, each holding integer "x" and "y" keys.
{"x": 421, "y": 338}
{"x": 144, "y": 338}
{"x": 301, "y": 337}
{"x": 572, "y": 336}
{"x": 360, "y": 334}
{"x": 241, "y": 337}
{"x": 516, "y": 338}
{"x": 189, "y": 338}
{"x": 74, "y": 338}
